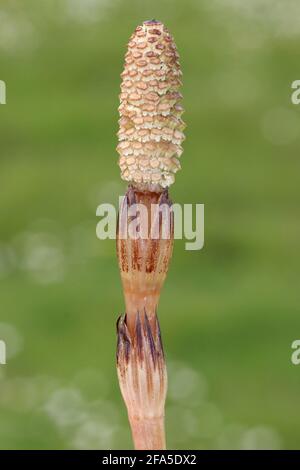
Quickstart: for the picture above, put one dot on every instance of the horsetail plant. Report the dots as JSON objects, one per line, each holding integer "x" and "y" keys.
{"x": 150, "y": 137}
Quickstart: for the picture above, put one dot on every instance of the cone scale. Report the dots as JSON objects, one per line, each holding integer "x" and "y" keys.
{"x": 150, "y": 137}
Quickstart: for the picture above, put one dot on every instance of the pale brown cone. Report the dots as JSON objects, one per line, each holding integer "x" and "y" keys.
{"x": 151, "y": 128}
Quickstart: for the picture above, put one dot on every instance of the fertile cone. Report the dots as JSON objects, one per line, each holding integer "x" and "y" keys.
{"x": 150, "y": 133}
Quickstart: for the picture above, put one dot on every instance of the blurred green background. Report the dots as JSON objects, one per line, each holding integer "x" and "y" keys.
{"x": 229, "y": 312}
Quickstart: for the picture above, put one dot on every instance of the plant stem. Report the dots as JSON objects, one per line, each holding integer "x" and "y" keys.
{"x": 148, "y": 433}
{"x": 150, "y": 137}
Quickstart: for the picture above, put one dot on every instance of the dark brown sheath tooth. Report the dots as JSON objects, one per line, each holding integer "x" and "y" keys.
{"x": 123, "y": 341}
{"x": 139, "y": 337}
{"x": 150, "y": 339}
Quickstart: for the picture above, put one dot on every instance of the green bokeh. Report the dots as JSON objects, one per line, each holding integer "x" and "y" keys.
{"x": 229, "y": 312}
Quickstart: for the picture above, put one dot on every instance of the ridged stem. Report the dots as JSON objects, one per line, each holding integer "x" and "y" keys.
{"x": 148, "y": 433}
{"x": 140, "y": 358}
